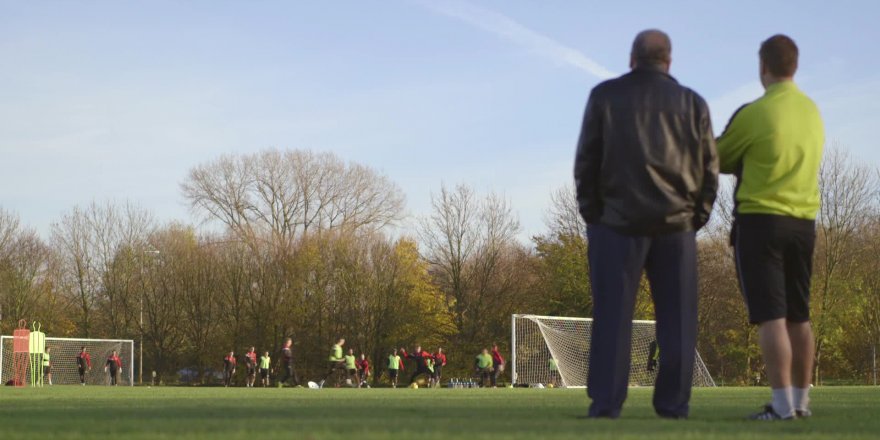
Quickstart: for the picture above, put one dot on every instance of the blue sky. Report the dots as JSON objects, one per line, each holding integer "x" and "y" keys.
{"x": 118, "y": 99}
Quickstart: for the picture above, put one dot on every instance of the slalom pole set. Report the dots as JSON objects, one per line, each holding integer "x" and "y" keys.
{"x": 28, "y": 351}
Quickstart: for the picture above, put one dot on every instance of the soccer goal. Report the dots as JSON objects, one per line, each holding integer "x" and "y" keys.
{"x": 63, "y": 359}
{"x": 538, "y": 339}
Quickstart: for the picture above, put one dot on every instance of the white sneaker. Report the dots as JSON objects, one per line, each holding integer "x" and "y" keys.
{"x": 803, "y": 413}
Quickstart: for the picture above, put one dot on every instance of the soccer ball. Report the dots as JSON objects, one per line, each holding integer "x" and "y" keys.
{"x": 549, "y": 385}
{"x": 414, "y": 386}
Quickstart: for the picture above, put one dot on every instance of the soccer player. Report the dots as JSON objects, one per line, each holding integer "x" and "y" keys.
{"x": 228, "y": 368}
{"x": 440, "y": 359}
{"x": 336, "y": 361}
{"x": 250, "y": 363}
{"x": 395, "y": 364}
{"x": 287, "y": 364}
{"x": 497, "y": 364}
{"x": 351, "y": 368}
{"x": 483, "y": 366}
{"x": 774, "y": 147}
{"x": 429, "y": 363}
{"x": 265, "y": 362}
{"x": 554, "y": 371}
{"x": 112, "y": 366}
{"x": 363, "y": 366}
{"x": 653, "y": 356}
{"x": 47, "y": 366}
{"x": 646, "y": 174}
{"x": 421, "y": 357}
{"x": 83, "y": 364}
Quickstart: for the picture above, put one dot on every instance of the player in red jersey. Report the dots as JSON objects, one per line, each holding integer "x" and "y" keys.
{"x": 439, "y": 363}
{"x": 363, "y": 367}
{"x": 113, "y": 366}
{"x": 250, "y": 362}
{"x": 84, "y": 364}
{"x": 228, "y": 368}
{"x": 497, "y": 365}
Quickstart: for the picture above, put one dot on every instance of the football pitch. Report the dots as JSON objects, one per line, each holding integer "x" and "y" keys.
{"x": 73, "y": 412}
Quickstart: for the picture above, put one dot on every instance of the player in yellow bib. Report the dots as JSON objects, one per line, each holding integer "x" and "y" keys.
{"x": 265, "y": 363}
{"x": 336, "y": 361}
{"x": 351, "y": 368}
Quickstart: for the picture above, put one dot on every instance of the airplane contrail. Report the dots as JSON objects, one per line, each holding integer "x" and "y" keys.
{"x": 511, "y": 30}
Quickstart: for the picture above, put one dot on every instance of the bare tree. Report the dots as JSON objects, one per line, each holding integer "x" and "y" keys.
{"x": 24, "y": 262}
{"x": 280, "y": 195}
{"x": 563, "y": 216}
{"x": 847, "y": 193}
{"x": 466, "y": 241}
{"x": 89, "y": 241}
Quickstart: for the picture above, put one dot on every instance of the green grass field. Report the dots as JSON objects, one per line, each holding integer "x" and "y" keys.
{"x": 73, "y": 412}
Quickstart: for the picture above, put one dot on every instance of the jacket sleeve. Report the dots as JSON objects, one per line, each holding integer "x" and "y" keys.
{"x": 733, "y": 143}
{"x": 588, "y": 160}
{"x": 709, "y": 154}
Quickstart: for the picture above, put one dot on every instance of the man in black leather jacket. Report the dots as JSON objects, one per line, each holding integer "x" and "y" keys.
{"x": 646, "y": 173}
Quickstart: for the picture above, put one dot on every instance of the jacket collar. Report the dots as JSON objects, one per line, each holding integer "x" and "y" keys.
{"x": 652, "y": 69}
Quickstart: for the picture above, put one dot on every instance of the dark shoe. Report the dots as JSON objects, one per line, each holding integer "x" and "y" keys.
{"x": 768, "y": 414}
{"x": 672, "y": 416}
{"x": 600, "y": 416}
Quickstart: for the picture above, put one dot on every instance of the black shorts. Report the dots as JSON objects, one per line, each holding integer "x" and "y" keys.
{"x": 393, "y": 374}
{"x": 251, "y": 370}
{"x": 351, "y": 371}
{"x": 264, "y": 373}
{"x": 47, "y": 369}
{"x": 82, "y": 371}
{"x": 438, "y": 369}
{"x": 774, "y": 261}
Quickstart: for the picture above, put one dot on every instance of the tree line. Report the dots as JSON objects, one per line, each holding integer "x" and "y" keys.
{"x": 302, "y": 244}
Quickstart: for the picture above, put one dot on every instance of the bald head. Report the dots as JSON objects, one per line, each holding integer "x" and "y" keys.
{"x": 651, "y": 48}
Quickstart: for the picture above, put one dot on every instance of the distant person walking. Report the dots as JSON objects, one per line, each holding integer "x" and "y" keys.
{"x": 113, "y": 366}
{"x": 47, "y": 365}
{"x": 497, "y": 365}
{"x": 288, "y": 372}
{"x": 646, "y": 173}
{"x": 395, "y": 365}
{"x": 229, "y": 364}
{"x": 363, "y": 367}
{"x": 440, "y": 358}
{"x": 265, "y": 365}
{"x": 250, "y": 363}
{"x": 774, "y": 147}
{"x": 483, "y": 367}
{"x": 83, "y": 364}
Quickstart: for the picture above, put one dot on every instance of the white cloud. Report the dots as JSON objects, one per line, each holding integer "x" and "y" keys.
{"x": 509, "y": 29}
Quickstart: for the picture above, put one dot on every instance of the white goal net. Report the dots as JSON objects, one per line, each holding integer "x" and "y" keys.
{"x": 63, "y": 353}
{"x": 542, "y": 344}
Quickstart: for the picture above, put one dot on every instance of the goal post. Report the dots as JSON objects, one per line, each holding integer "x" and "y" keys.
{"x": 555, "y": 348}
{"x": 64, "y": 367}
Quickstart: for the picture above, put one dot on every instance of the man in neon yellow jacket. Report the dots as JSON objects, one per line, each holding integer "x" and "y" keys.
{"x": 774, "y": 147}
